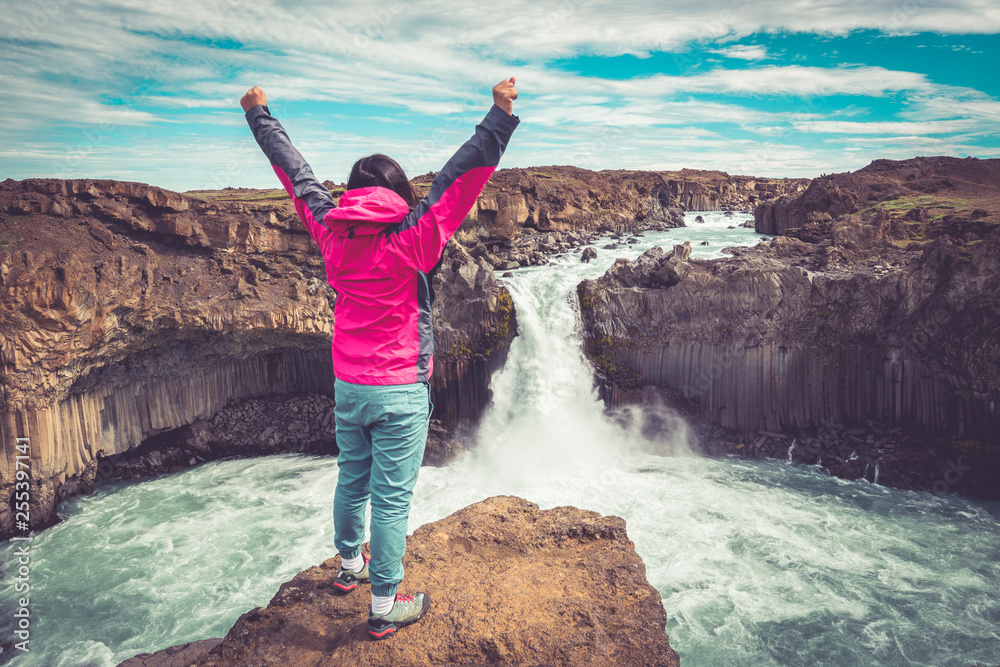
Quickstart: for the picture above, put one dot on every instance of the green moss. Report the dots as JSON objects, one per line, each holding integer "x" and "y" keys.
{"x": 908, "y": 202}
{"x": 10, "y": 239}
{"x": 974, "y": 449}
{"x": 602, "y": 353}
{"x": 274, "y": 194}
{"x": 495, "y": 338}
{"x": 603, "y": 350}
{"x": 506, "y": 327}
{"x": 459, "y": 349}
{"x": 269, "y": 197}
{"x": 902, "y": 243}
{"x": 541, "y": 174}
{"x": 586, "y": 299}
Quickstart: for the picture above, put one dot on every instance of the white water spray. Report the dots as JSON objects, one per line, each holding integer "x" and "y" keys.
{"x": 545, "y": 414}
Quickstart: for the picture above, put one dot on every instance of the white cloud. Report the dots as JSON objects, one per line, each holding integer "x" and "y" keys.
{"x": 437, "y": 60}
{"x": 34, "y": 104}
{"x": 744, "y": 52}
{"x": 903, "y": 147}
{"x": 887, "y": 127}
{"x": 806, "y": 81}
{"x": 183, "y": 102}
{"x": 950, "y": 102}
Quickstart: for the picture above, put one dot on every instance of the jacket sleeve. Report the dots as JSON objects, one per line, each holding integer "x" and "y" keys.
{"x": 424, "y": 232}
{"x": 312, "y": 200}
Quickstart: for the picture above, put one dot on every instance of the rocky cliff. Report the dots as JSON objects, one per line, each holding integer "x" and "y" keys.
{"x": 859, "y": 334}
{"x": 128, "y": 311}
{"x": 561, "y": 198}
{"x": 917, "y": 199}
{"x": 555, "y": 587}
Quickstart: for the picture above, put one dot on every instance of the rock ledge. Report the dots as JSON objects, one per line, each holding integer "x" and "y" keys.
{"x": 511, "y": 584}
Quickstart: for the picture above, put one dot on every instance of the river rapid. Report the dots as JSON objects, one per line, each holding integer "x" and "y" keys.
{"x": 758, "y": 562}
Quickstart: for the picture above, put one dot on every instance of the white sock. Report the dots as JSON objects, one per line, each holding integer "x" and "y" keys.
{"x": 355, "y": 564}
{"x": 382, "y": 605}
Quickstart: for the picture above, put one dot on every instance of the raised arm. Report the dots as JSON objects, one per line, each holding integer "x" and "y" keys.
{"x": 311, "y": 199}
{"x": 425, "y": 231}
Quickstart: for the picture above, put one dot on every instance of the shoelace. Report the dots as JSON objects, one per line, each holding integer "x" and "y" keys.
{"x": 403, "y": 598}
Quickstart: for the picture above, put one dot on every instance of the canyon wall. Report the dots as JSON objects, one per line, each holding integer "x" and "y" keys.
{"x": 855, "y": 321}
{"x": 128, "y": 311}
{"x": 763, "y": 346}
{"x": 563, "y": 198}
{"x": 923, "y": 197}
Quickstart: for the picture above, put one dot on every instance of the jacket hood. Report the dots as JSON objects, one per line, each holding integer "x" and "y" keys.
{"x": 367, "y": 210}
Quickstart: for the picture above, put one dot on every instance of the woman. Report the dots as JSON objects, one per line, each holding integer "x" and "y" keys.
{"x": 380, "y": 254}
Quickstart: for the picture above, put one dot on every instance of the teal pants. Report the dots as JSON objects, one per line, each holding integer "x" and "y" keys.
{"x": 381, "y": 433}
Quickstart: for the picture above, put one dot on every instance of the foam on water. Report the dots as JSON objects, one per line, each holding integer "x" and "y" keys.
{"x": 758, "y": 562}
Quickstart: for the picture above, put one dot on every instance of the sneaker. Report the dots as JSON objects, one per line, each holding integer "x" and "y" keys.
{"x": 405, "y": 610}
{"x": 347, "y": 580}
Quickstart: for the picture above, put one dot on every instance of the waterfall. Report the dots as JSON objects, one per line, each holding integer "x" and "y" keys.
{"x": 545, "y": 393}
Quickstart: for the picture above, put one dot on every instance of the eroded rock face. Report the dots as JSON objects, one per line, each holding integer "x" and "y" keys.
{"x": 697, "y": 190}
{"x": 923, "y": 196}
{"x": 474, "y": 324}
{"x": 563, "y": 199}
{"x": 128, "y": 311}
{"x": 271, "y": 424}
{"x": 770, "y": 342}
{"x": 521, "y": 586}
{"x": 868, "y": 334}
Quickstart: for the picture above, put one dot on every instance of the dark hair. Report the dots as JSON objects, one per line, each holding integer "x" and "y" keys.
{"x": 382, "y": 170}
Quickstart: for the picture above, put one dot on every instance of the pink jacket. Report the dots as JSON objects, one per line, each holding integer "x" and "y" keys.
{"x": 380, "y": 256}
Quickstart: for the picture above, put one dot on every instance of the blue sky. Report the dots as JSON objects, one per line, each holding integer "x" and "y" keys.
{"x": 149, "y": 92}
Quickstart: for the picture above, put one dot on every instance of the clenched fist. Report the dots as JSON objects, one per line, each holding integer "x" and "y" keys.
{"x": 504, "y": 94}
{"x": 256, "y": 96}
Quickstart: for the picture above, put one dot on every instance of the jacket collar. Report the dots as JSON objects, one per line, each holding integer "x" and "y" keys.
{"x": 367, "y": 210}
